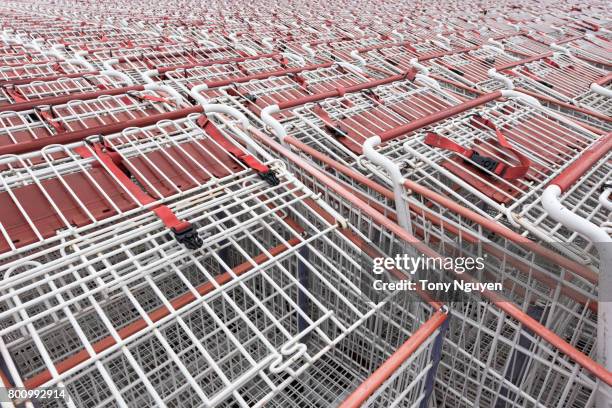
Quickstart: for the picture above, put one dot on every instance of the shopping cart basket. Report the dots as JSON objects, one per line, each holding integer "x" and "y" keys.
{"x": 258, "y": 315}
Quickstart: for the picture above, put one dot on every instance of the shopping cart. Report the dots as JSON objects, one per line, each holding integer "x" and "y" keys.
{"x": 257, "y": 316}
{"x": 492, "y": 354}
{"x": 74, "y": 117}
{"x": 566, "y": 78}
{"x": 304, "y": 85}
{"x": 471, "y": 68}
{"x": 592, "y": 49}
{"x": 41, "y": 90}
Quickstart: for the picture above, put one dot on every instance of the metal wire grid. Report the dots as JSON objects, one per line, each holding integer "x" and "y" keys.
{"x": 9, "y": 74}
{"x": 488, "y": 359}
{"x": 562, "y": 77}
{"x": 48, "y": 121}
{"x": 472, "y": 67}
{"x": 275, "y": 90}
{"x": 59, "y": 87}
{"x": 166, "y": 160}
{"x": 361, "y": 115}
{"x": 269, "y": 338}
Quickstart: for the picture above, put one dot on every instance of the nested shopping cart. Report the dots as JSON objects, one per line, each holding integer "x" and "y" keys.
{"x": 309, "y": 83}
{"x": 28, "y": 124}
{"x": 41, "y": 90}
{"x": 593, "y": 49}
{"x": 237, "y": 70}
{"x": 525, "y": 45}
{"x": 28, "y": 72}
{"x": 256, "y": 315}
{"x": 338, "y": 126}
{"x": 562, "y": 76}
{"x": 472, "y": 67}
{"x": 492, "y": 353}
{"x": 399, "y": 57}
{"x": 184, "y": 56}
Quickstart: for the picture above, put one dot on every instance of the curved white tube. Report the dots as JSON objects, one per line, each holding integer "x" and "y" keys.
{"x": 361, "y": 62}
{"x": 603, "y": 242}
{"x": 604, "y": 198}
{"x": 108, "y": 64}
{"x": 245, "y": 48}
{"x": 167, "y": 89}
{"x": 275, "y": 125}
{"x": 113, "y": 72}
{"x": 267, "y": 42}
{"x": 298, "y": 58}
{"x": 403, "y": 216}
{"x": 507, "y": 82}
{"x": 425, "y": 80}
{"x": 308, "y": 50}
{"x": 398, "y": 35}
{"x": 228, "y": 110}
{"x": 208, "y": 43}
{"x": 496, "y": 44}
{"x": 36, "y": 43}
{"x": 350, "y": 67}
{"x": 147, "y": 76}
{"x": 601, "y": 90}
{"x": 519, "y": 95}
{"x": 442, "y": 38}
{"x": 560, "y": 49}
{"x": 195, "y": 94}
{"x": 422, "y": 68}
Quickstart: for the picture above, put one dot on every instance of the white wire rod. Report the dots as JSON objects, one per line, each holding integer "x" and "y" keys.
{"x": 126, "y": 224}
{"x": 39, "y": 345}
{"x": 200, "y": 301}
{"x": 88, "y": 347}
{"x": 575, "y": 198}
{"x": 108, "y": 254}
{"x": 264, "y": 400}
{"x": 562, "y": 363}
{"x": 140, "y": 206}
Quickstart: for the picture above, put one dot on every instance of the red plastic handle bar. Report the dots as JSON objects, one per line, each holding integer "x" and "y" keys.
{"x": 78, "y": 135}
{"x": 57, "y": 100}
{"x": 584, "y": 162}
{"x": 441, "y": 115}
